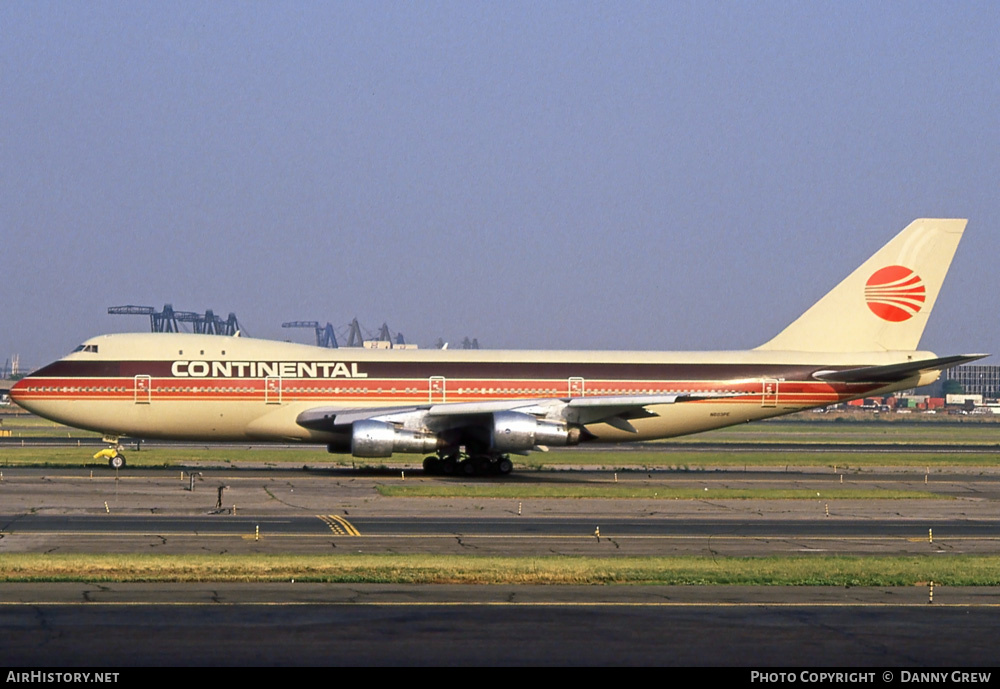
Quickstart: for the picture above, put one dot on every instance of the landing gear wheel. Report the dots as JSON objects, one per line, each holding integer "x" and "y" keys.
{"x": 483, "y": 464}
{"x": 117, "y": 462}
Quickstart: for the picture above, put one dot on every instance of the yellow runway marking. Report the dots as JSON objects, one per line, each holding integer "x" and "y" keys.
{"x": 338, "y": 525}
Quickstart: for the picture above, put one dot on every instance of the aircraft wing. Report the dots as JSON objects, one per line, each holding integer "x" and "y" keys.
{"x": 613, "y": 410}
{"x": 895, "y": 372}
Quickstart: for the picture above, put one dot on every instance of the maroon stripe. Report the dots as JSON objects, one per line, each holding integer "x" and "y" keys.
{"x": 390, "y": 370}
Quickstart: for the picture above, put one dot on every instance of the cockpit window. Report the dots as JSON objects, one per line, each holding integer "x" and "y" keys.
{"x": 86, "y": 348}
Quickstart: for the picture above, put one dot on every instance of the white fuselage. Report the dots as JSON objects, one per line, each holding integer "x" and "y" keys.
{"x": 206, "y": 387}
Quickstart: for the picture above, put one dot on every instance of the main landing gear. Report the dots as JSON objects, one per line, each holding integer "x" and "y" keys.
{"x": 462, "y": 464}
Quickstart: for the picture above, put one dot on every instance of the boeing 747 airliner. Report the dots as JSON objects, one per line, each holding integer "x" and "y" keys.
{"x": 469, "y": 410}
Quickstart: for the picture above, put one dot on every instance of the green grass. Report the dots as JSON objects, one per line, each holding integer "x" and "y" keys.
{"x": 947, "y": 570}
{"x": 316, "y": 456}
{"x": 753, "y": 458}
{"x": 24, "y": 420}
{"x": 984, "y": 432}
{"x": 14, "y": 455}
{"x": 29, "y": 426}
{"x": 933, "y": 430}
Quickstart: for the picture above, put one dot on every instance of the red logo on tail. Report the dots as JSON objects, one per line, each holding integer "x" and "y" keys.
{"x": 895, "y": 293}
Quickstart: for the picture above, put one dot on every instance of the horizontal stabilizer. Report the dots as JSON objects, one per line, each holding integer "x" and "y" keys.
{"x": 895, "y": 372}
{"x": 643, "y": 400}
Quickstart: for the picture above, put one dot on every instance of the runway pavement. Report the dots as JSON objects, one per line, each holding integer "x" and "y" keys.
{"x": 120, "y": 626}
{"x": 61, "y": 510}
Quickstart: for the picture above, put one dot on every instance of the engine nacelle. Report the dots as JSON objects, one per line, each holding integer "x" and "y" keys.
{"x": 516, "y": 432}
{"x": 379, "y": 439}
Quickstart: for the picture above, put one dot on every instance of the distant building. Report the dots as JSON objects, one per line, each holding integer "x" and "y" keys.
{"x": 975, "y": 400}
{"x": 975, "y": 380}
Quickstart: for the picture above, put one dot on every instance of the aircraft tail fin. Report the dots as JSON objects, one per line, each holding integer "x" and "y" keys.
{"x": 884, "y": 304}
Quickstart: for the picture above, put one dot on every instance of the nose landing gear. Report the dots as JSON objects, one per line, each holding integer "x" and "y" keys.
{"x": 114, "y": 454}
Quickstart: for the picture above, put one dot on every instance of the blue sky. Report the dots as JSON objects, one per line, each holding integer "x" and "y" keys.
{"x": 661, "y": 175}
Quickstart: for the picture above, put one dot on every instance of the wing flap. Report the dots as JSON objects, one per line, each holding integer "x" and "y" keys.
{"x": 583, "y": 410}
{"x": 325, "y": 418}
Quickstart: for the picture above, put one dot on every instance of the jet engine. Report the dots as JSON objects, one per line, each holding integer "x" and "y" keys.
{"x": 516, "y": 432}
{"x": 370, "y": 438}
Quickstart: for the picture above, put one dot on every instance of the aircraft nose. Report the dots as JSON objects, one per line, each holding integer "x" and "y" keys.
{"x": 18, "y": 390}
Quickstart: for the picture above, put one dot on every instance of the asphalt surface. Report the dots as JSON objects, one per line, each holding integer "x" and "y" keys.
{"x": 285, "y": 510}
{"x": 242, "y": 625}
